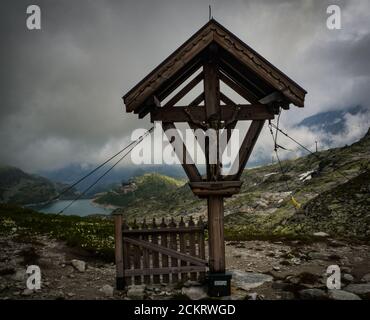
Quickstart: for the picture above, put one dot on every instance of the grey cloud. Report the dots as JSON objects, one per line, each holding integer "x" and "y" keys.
{"x": 61, "y": 87}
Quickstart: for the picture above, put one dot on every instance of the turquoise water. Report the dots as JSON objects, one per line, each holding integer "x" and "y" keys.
{"x": 80, "y": 208}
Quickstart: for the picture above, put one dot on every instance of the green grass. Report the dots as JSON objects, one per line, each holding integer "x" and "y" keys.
{"x": 94, "y": 235}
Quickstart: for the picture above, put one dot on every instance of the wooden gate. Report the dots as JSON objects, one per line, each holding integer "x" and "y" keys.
{"x": 161, "y": 253}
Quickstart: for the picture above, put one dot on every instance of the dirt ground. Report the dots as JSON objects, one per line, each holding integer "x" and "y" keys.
{"x": 294, "y": 266}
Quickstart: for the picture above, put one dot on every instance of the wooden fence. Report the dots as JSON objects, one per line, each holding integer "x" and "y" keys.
{"x": 159, "y": 253}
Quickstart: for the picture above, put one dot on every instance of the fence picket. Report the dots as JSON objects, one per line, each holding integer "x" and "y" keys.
{"x": 155, "y": 254}
{"x": 164, "y": 243}
{"x": 193, "y": 275}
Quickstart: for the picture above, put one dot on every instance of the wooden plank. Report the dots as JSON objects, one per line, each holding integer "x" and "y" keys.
{"x": 169, "y": 270}
{"x": 216, "y": 234}
{"x": 162, "y": 230}
{"x": 126, "y": 257}
{"x": 164, "y": 243}
{"x": 146, "y": 261}
{"x": 192, "y": 249}
{"x": 190, "y": 169}
{"x": 184, "y": 275}
{"x": 118, "y": 251}
{"x": 197, "y": 100}
{"x": 257, "y": 111}
{"x": 201, "y": 246}
{"x": 247, "y": 146}
{"x": 187, "y": 88}
{"x": 137, "y": 256}
{"x": 211, "y": 84}
{"x": 239, "y": 89}
{"x": 155, "y": 254}
{"x": 151, "y": 246}
{"x": 173, "y": 246}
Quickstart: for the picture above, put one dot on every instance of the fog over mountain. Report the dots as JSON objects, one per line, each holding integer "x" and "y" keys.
{"x": 61, "y": 87}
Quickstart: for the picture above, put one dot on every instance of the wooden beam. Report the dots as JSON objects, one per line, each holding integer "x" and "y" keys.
{"x": 163, "y": 230}
{"x": 247, "y": 147}
{"x": 171, "y": 84}
{"x": 228, "y": 112}
{"x": 178, "y": 96}
{"x": 211, "y": 84}
{"x": 190, "y": 169}
{"x": 149, "y": 271}
{"x": 216, "y": 241}
{"x": 167, "y": 251}
{"x": 245, "y": 93}
{"x": 272, "y": 97}
{"x": 197, "y": 100}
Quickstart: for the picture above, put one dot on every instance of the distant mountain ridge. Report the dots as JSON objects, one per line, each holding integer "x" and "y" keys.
{"x": 19, "y": 187}
{"x": 332, "y": 122}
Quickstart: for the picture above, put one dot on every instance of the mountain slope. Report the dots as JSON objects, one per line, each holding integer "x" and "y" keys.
{"x": 264, "y": 207}
{"x": 18, "y": 187}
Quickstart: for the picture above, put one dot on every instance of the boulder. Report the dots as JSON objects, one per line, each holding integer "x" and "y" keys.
{"x": 195, "y": 293}
{"x": 313, "y": 294}
{"x": 107, "y": 290}
{"x": 342, "y": 295}
{"x": 249, "y": 280}
{"x": 362, "y": 289}
{"x": 347, "y": 277}
{"x": 79, "y": 265}
{"x": 366, "y": 278}
{"x": 136, "y": 292}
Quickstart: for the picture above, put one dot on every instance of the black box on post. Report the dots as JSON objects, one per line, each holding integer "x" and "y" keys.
{"x": 219, "y": 284}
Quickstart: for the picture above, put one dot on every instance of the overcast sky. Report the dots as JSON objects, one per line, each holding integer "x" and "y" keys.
{"x": 61, "y": 86}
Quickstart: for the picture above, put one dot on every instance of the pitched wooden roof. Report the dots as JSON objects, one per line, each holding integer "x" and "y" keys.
{"x": 240, "y": 59}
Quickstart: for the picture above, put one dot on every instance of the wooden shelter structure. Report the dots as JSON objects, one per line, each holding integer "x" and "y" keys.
{"x": 215, "y": 55}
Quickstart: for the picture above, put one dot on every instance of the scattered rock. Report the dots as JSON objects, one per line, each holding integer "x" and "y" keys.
{"x": 276, "y": 268}
{"x": 366, "y": 278}
{"x": 27, "y": 292}
{"x": 195, "y": 293}
{"x": 342, "y": 295}
{"x": 249, "y": 280}
{"x": 321, "y": 234}
{"x": 20, "y": 275}
{"x": 136, "y": 292}
{"x": 107, "y": 290}
{"x": 348, "y": 277}
{"x": 362, "y": 289}
{"x": 191, "y": 283}
{"x": 315, "y": 255}
{"x": 313, "y": 294}
{"x": 79, "y": 265}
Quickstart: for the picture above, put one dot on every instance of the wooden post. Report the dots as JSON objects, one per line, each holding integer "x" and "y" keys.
{"x": 120, "y": 283}
{"x": 216, "y": 234}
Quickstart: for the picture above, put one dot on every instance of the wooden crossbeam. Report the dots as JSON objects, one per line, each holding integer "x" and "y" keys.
{"x": 174, "y": 82}
{"x": 190, "y": 168}
{"x": 226, "y": 100}
{"x": 167, "y": 270}
{"x": 163, "y": 230}
{"x": 247, "y": 147}
{"x": 197, "y": 100}
{"x": 245, "y": 93}
{"x": 167, "y": 251}
{"x": 178, "y": 96}
{"x": 186, "y": 114}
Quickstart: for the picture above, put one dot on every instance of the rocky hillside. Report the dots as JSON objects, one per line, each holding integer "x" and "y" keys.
{"x": 331, "y": 186}
{"x": 19, "y": 187}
